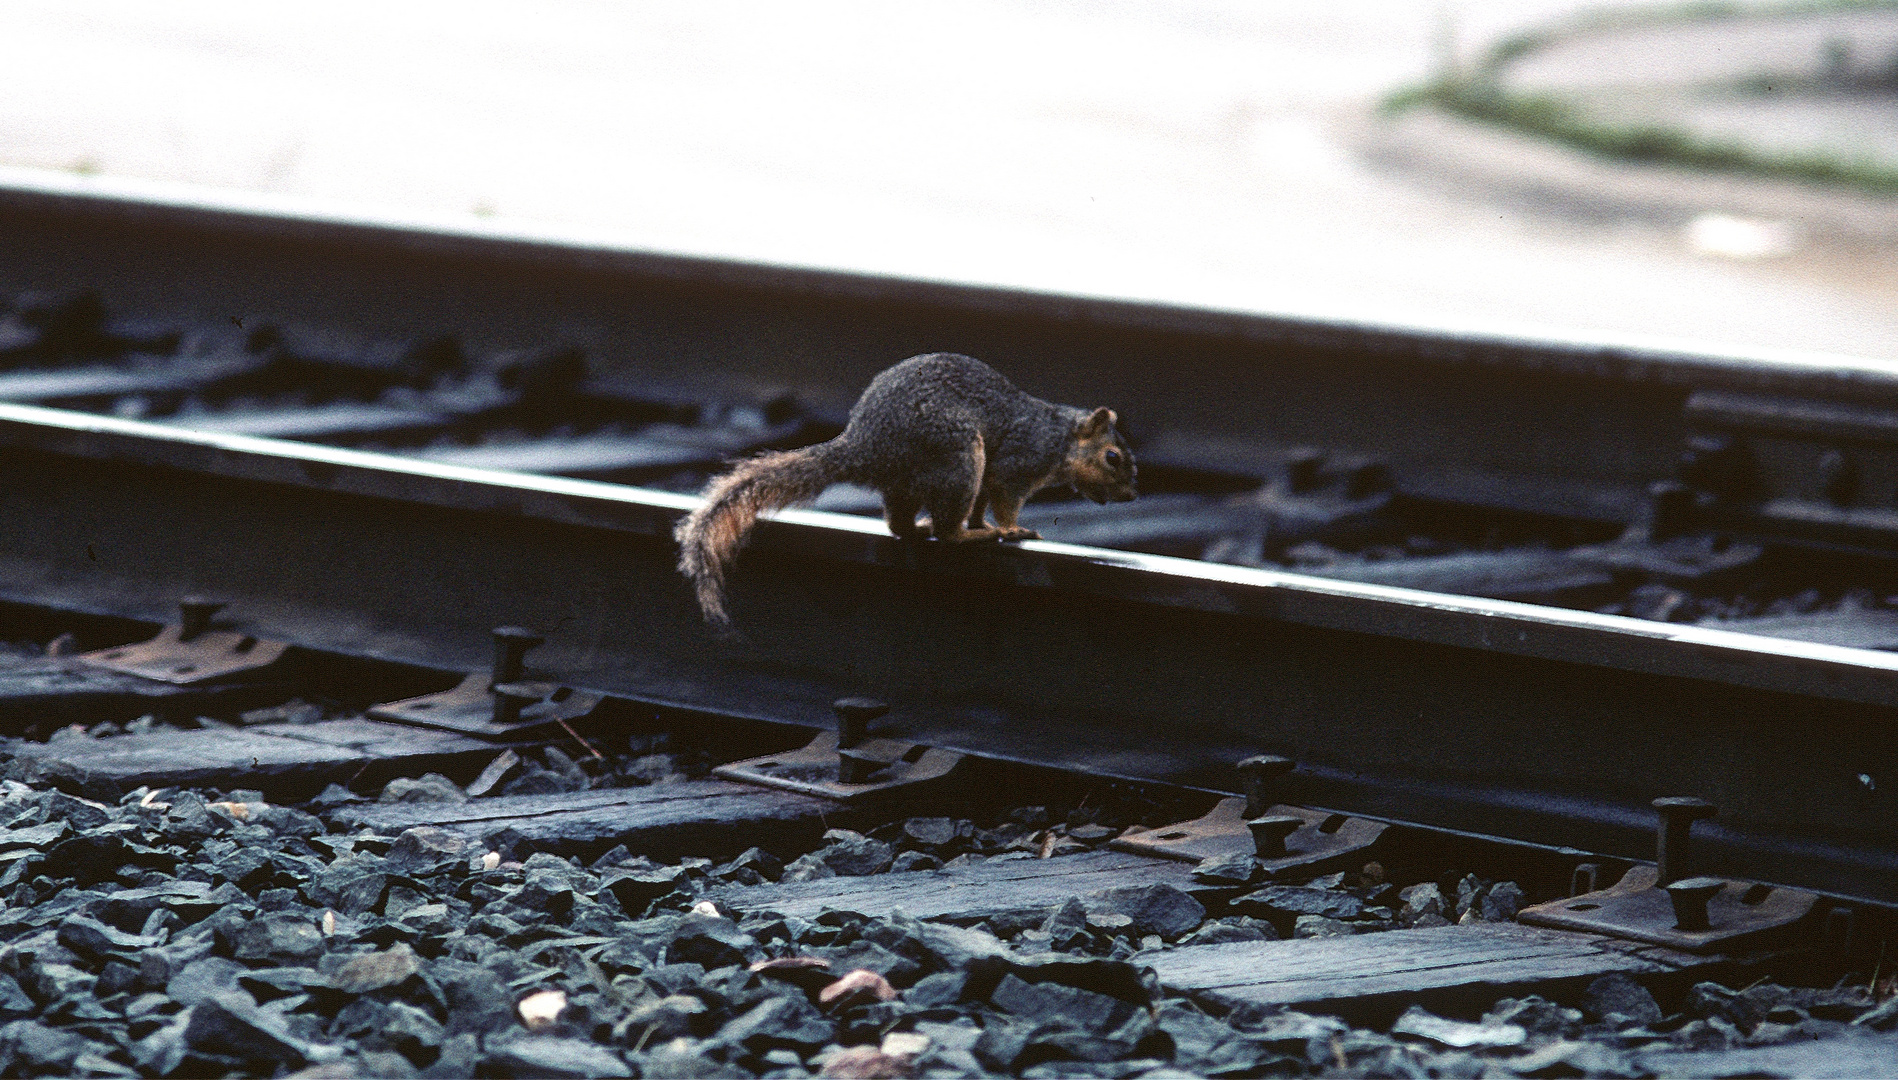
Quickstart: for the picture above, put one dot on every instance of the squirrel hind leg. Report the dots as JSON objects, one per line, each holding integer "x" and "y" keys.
{"x": 900, "y": 515}
{"x": 949, "y": 516}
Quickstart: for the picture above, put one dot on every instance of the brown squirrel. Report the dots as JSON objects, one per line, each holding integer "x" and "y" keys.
{"x": 939, "y": 432}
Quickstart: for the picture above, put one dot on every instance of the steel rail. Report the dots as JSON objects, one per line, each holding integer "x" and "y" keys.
{"x": 1570, "y": 425}
{"x": 1550, "y": 726}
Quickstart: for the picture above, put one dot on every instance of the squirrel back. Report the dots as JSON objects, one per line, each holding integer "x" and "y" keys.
{"x": 938, "y": 432}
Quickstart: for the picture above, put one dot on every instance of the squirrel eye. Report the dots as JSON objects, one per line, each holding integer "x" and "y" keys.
{"x": 1112, "y": 457}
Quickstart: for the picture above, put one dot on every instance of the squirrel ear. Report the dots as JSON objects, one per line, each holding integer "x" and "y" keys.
{"x": 1098, "y": 422}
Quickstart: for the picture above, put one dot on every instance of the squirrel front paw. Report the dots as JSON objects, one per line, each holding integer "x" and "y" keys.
{"x": 1018, "y": 533}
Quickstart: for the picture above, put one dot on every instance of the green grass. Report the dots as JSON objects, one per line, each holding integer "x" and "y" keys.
{"x": 1479, "y": 98}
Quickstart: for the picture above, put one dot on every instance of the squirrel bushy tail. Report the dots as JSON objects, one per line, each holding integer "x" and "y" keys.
{"x": 709, "y": 536}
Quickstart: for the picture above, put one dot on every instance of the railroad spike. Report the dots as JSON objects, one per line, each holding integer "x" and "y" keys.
{"x": 856, "y": 768}
{"x": 511, "y": 646}
{"x": 1270, "y": 833}
{"x": 508, "y": 703}
{"x": 1261, "y": 774}
{"x": 1672, "y": 840}
{"x": 195, "y": 614}
{"x": 1689, "y": 897}
{"x": 853, "y": 719}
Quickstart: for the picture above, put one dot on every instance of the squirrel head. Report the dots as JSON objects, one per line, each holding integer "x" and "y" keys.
{"x": 1099, "y": 464}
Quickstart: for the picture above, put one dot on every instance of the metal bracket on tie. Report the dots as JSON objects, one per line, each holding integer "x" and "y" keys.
{"x": 189, "y": 651}
{"x": 1283, "y": 838}
{"x": 1660, "y": 905}
{"x": 847, "y": 765}
{"x": 495, "y": 704}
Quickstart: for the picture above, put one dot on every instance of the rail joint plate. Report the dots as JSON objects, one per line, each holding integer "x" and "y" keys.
{"x": 814, "y": 768}
{"x": 1323, "y": 839}
{"x": 1636, "y": 909}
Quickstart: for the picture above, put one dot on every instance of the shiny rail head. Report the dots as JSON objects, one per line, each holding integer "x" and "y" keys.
{"x": 1723, "y": 656}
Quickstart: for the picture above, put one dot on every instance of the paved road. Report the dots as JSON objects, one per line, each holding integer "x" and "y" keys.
{"x": 1202, "y": 151}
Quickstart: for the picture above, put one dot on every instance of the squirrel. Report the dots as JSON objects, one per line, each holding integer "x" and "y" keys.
{"x": 939, "y": 432}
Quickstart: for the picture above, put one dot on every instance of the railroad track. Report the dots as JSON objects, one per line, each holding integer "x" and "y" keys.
{"x": 365, "y": 588}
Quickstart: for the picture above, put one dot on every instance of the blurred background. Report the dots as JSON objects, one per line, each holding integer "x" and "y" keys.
{"x": 1717, "y": 173}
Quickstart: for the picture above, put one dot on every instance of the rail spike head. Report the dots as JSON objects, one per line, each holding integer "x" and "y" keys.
{"x": 1261, "y": 772}
{"x": 853, "y": 719}
{"x": 195, "y": 614}
{"x": 511, "y": 646}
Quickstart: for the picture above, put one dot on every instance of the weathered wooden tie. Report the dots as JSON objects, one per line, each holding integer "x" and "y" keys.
{"x": 1398, "y": 967}
{"x": 700, "y": 817}
{"x": 285, "y": 761}
{"x": 964, "y": 892}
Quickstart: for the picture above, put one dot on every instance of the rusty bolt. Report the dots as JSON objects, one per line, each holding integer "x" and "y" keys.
{"x": 1671, "y": 841}
{"x": 511, "y": 645}
{"x": 508, "y": 703}
{"x": 854, "y": 767}
{"x": 853, "y": 719}
{"x": 1261, "y": 774}
{"x": 1269, "y": 834}
{"x": 1690, "y": 897}
{"x": 195, "y": 614}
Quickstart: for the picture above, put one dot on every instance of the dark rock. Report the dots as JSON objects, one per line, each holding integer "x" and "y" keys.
{"x": 754, "y": 863}
{"x": 362, "y": 974}
{"x": 711, "y": 942}
{"x": 200, "y": 979}
{"x": 90, "y": 937}
{"x": 787, "y": 1022}
{"x": 1468, "y": 892}
{"x": 426, "y": 850}
{"x": 333, "y": 796}
{"x": 1155, "y": 909}
{"x": 869, "y": 956}
{"x": 1713, "y": 1001}
{"x": 1537, "y": 1016}
{"x": 458, "y": 1056}
{"x": 1054, "y": 1003}
{"x": 1501, "y": 902}
{"x": 1617, "y": 993}
{"x": 231, "y": 1025}
{"x": 429, "y": 788}
{"x": 853, "y": 854}
{"x": 1295, "y": 900}
{"x": 1318, "y": 926}
{"x": 955, "y": 948}
{"x": 546, "y": 1055}
{"x": 477, "y": 1000}
{"x": 911, "y": 861}
{"x": 662, "y": 1019}
{"x": 1228, "y": 870}
{"x": 637, "y": 885}
{"x": 401, "y": 1027}
{"x": 1002, "y": 1044}
{"x": 942, "y": 989}
{"x": 536, "y": 780}
{"x": 79, "y": 813}
{"x": 351, "y": 885}
{"x": 286, "y": 821}
{"x": 1066, "y": 924}
{"x": 91, "y": 857}
{"x": 1420, "y": 901}
{"x": 32, "y": 1049}
{"x": 279, "y": 936}
{"x": 930, "y": 831}
{"x": 1228, "y": 932}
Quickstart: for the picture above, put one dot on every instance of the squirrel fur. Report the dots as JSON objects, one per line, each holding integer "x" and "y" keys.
{"x": 941, "y": 433}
